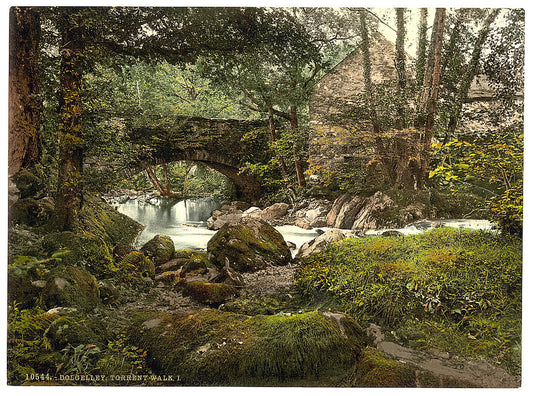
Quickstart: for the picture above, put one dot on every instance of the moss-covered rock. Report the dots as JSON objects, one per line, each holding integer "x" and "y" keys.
{"x": 212, "y": 347}
{"x": 136, "y": 264}
{"x": 69, "y": 286}
{"x": 209, "y": 293}
{"x": 25, "y": 282}
{"x": 160, "y": 249}
{"x": 83, "y": 250}
{"x": 375, "y": 369}
{"x": 99, "y": 218}
{"x": 24, "y": 241}
{"x": 28, "y": 183}
{"x": 248, "y": 245}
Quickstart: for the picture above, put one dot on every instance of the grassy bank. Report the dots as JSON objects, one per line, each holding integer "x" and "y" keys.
{"x": 455, "y": 290}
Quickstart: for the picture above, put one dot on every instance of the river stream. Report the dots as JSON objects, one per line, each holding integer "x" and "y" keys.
{"x": 185, "y": 221}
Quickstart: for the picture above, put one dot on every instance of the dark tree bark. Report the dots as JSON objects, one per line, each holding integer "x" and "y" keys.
{"x": 24, "y": 107}
{"x": 69, "y": 197}
{"x": 164, "y": 191}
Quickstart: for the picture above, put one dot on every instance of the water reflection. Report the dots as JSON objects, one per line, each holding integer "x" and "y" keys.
{"x": 183, "y": 220}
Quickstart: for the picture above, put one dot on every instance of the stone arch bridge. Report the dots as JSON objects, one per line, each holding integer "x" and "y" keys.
{"x": 222, "y": 144}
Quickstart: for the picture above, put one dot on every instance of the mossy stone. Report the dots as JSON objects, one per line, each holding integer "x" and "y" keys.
{"x": 84, "y": 250}
{"x": 160, "y": 249}
{"x": 69, "y": 286}
{"x": 136, "y": 264}
{"x": 211, "y": 347}
{"x": 375, "y": 369}
{"x": 248, "y": 246}
{"x": 209, "y": 293}
{"x": 100, "y": 219}
{"x": 28, "y": 184}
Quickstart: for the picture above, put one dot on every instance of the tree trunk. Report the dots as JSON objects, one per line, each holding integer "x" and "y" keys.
{"x": 272, "y": 127}
{"x": 164, "y": 191}
{"x": 400, "y": 68}
{"x": 298, "y": 163}
{"x": 469, "y": 74}
{"x": 421, "y": 47}
{"x": 70, "y": 174}
{"x": 24, "y": 107}
{"x": 432, "y": 89}
{"x": 382, "y": 153}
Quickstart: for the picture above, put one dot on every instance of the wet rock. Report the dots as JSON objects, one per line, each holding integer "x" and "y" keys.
{"x": 303, "y": 223}
{"x": 160, "y": 249}
{"x": 249, "y": 245}
{"x": 391, "y": 233}
{"x": 275, "y": 211}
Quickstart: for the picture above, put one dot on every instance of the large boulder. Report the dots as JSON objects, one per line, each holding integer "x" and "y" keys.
{"x": 272, "y": 212}
{"x": 249, "y": 245}
{"x": 212, "y": 347}
{"x": 360, "y": 213}
{"x": 321, "y": 241}
{"x": 136, "y": 264}
{"x": 312, "y": 213}
{"x": 209, "y": 293}
{"x": 227, "y": 213}
{"x": 160, "y": 249}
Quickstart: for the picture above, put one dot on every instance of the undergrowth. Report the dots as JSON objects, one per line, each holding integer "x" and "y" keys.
{"x": 457, "y": 290}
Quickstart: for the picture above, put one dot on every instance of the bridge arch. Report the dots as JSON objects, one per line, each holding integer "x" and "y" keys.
{"x": 221, "y": 144}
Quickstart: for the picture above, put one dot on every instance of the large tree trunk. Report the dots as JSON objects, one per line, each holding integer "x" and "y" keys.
{"x": 421, "y": 47}
{"x": 24, "y": 107}
{"x": 400, "y": 68}
{"x": 432, "y": 83}
{"x": 382, "y": 153}
{"x": 70, "y": 184}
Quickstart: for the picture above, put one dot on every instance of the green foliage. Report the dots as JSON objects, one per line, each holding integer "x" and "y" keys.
{"x": 79, "y": 360}
{"x": 491, "y": 166}
{"x": 458, "y": 278}
{"x": 29, "y": 348}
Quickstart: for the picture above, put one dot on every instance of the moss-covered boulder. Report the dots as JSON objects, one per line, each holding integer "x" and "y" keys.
{"x": 212, "y": 347}
{"x": 100, "y": 219}
{"x": 82, "y": 250}
{"x": 28, "y": 183}
{"x": 25, "y": 281}
{"x": 136, "y": 264}
{"x": 375, "y": 369}
{"x": 209, "y": 293}
{"x": 69, "y": 286}
{"x": 160, "y": 249}
{"x": 249, "y": 245}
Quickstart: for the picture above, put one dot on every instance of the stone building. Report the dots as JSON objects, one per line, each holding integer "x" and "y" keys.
{"x": 336, "y": 138}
